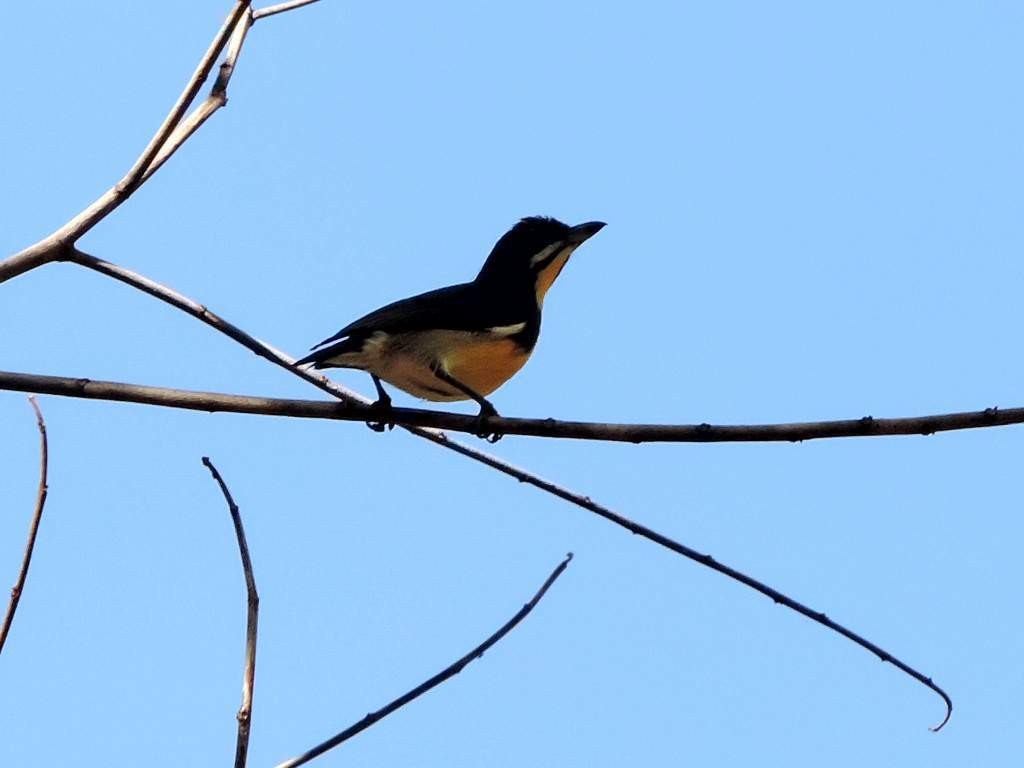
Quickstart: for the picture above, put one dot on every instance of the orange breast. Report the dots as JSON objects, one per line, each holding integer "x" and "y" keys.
{"x": 550, "y": 272}
{"x": 486, "y": 365}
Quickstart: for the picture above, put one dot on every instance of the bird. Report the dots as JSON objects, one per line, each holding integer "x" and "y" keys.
{"x": 464, "y": 341}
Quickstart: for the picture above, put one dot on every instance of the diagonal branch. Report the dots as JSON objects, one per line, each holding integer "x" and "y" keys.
{"x": 352, "y": 410}
{"x": 218, "y": 98}
{"x": 134, "y": 177}
{"x": 172, "y": 133}
{"x": 33, "y": 528}
{"x": 203, "y": 314}
{"x": 433, "y": 682}
{"x": 252, "y": 620}
{"x": 207, "y": 401}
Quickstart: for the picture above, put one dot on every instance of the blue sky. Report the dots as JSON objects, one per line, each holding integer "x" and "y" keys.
{"x": 814, "y": 211}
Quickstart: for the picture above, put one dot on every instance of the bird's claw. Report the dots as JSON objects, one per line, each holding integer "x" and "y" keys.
{"x": 486, "y": 412}
{"x": 382, "y": 407}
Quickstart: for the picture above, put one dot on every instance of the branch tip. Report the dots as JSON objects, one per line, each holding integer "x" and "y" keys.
{"x": 445, "y": 674}
{"x": 33, "y": 530}
{"x": 244, "y": 713}
{"x": 949, "y": 711}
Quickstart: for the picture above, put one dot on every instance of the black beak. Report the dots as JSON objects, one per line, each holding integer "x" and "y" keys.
{"x": 583, "y": 232}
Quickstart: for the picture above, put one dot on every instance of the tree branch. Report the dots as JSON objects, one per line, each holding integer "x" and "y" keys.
{"x": 134, "y": 177}
{"x": 433, "y": 682}
{"x": 267, "y": 352}
{"x": 252, "y": 620}
{"x": 172, "y": 133}
{"x": 58, "y": 246}
{"x": 352, "y": 410}
{"x": 204, "y": 401}
{"x": 33, "y": 529}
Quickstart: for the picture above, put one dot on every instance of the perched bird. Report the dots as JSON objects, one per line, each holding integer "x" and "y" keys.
{"x": 464, "y": 341}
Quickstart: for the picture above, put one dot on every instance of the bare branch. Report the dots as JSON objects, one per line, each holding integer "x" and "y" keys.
{"x": 218, "y": 98}
{"x": 352, "y": 410}
{"x": 200, "y": 312}
{"x": 204, "y": 401}
{"x": 134, "y": 176}
{"x": 272, "y": 10}
{"x": 252, "y": 620}
{"x": 172, "y": 133}
{"x": 33, "y": 528}
{"x": 433, "y": 682}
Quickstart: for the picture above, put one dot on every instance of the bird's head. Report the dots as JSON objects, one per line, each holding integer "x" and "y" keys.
{"x": 534, "y": 252}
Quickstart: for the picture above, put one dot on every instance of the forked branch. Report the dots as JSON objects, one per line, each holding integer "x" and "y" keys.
{"x": 59, "y": 246}
{"x": 252, "y": 621}
{"x": 436, "y": 680}
{"x": 172, "y": 133}
{"x": 33, "y": 528}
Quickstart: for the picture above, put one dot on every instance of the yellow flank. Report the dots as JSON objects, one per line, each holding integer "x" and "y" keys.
{"x": 547, "y": 275}
{"x": 484, "y": 366}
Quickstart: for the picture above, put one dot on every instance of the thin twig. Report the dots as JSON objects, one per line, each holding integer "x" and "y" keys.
{"x": 351, "y": 410}
{"x": 134, "y": 176}
{"x": 200, "y": 312}
{"x": 433, "y": 682}
{"x": 252, "y": 620}
{"x": 33, "y": 528}
{"x": 262, "y": 13}
{"x": 218, "y": 98}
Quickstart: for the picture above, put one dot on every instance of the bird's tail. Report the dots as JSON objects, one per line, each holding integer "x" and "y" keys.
{"x": 320, "y": 357}
{"x": 310, "y": 358}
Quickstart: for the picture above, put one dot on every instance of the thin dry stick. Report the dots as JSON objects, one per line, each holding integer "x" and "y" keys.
{"x": 272, "y": 10}
{"x": 433, "y": 682}
{"x": 351, "y": 410}
{"x": 200, "y": 312}
{"x": 217, "y": 98}
{"x": 252, "y": 620}
{"x": 33, "y": 528}
{"x": 172, "y": 133}
{"x": 134, "y": 176}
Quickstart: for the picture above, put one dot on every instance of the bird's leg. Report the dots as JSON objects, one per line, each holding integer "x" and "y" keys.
{"x": 382, "y": 406}
{"x": 486, "y": 409}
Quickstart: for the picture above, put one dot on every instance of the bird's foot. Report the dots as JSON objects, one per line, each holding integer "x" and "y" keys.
{"x": 382, "y": 407}
{"x": 486, "y": 412}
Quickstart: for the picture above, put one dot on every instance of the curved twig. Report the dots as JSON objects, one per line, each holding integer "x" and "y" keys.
{"x": 33, "y": 528}
{"x": 252, "y": 621}
{"x": 353, "y": 410}
{"x": 433, "y": 682}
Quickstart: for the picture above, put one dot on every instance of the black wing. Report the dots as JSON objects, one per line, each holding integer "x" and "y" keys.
{"x": 457, "y": 308}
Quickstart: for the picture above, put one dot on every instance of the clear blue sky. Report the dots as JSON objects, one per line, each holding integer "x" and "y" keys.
{"x": 814, "y": 211}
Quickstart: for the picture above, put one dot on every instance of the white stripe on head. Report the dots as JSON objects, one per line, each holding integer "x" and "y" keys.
{"x": 545, "y": 253}
{"x": 506, "y": 330}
